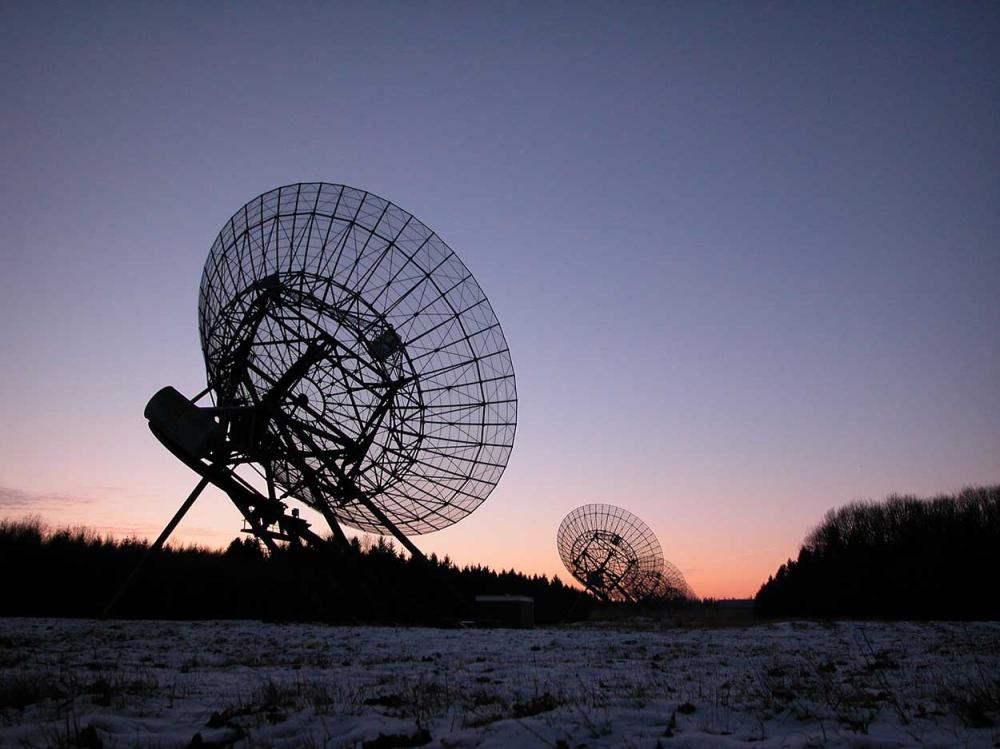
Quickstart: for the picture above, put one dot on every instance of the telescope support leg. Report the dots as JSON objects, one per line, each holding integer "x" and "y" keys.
{"x": 157, "y": 544}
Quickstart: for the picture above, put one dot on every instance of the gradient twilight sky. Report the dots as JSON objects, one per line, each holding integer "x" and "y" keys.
{"x": 746, "y": 255}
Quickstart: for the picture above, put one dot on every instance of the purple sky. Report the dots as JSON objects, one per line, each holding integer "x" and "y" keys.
{"x": 746, "y": 255}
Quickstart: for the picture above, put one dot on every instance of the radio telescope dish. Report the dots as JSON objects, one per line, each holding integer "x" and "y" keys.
{"x": 667, "y": 585}
{"x": 615, "y": 555}
{"x": 355, "y": 364}
{"x": 676, "y": 586}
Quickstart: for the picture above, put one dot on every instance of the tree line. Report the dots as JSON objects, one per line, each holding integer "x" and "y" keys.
{"x": 903, "y": 557}
{"x": 76, "y": 573}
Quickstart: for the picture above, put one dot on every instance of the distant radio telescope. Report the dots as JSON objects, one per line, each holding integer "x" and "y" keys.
{"x": 615, "y": 556}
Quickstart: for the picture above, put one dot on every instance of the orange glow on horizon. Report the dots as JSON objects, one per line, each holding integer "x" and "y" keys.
{"x": 712, "y": 571}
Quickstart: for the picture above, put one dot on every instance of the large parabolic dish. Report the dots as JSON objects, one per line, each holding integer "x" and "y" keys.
{"x": 356, "y": 366}
{"x": 403, "y": 393}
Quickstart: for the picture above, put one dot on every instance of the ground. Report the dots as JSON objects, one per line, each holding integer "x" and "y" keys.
{"x": 252, "y": 684}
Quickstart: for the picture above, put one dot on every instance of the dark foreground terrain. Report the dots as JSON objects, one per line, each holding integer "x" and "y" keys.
{"x": 250, "y": 684}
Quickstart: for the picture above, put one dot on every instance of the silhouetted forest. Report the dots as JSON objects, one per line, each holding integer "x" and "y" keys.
{"x": 76, "y": 573}
{"x": 901, "y": 558}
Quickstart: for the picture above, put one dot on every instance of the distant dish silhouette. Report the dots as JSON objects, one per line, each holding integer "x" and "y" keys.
{"x": 669, "y": 584}
{"x": 355, "y": 365}
{"x": 615, "y": 556}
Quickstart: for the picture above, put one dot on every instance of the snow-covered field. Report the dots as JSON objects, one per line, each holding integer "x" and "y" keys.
{"x": 153, "y": 684}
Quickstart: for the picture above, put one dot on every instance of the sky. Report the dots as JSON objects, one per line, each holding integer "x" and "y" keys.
{"x": 746, "y": 255}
